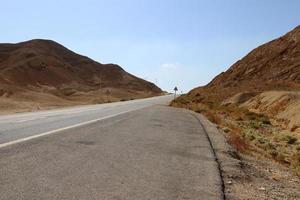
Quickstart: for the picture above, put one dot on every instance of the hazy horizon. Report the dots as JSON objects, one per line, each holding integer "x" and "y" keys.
{"x": 183, "y": 43}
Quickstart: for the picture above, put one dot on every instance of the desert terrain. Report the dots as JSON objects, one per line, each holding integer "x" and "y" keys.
{"x": 255, "y": 103}
{"x": 42, "y": 74}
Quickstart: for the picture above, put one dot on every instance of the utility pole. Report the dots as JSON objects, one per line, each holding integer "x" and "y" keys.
{"x": 100, "y": 81}
{"x": 107, "y": 92}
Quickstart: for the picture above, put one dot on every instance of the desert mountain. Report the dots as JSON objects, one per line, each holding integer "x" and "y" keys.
{"x": 267, "y": 80}
{"x": 48, "y": 68}
{"x": 274, "y": 65}
{"x": 257, "y": 101}
{"x": 45, "y": 62}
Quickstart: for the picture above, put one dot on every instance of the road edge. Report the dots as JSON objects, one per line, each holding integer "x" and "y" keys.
{"x": 227, "y": 158}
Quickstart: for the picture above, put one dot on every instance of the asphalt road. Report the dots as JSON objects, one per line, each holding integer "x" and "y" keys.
{"x": 149, "y": 151}
{"x": 17, "y": 127}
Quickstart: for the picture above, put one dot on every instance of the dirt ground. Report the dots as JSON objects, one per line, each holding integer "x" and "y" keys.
{"x": 28, "y": 101}
{"x": 262, "y": 179}
{"x": 250, "y": 175}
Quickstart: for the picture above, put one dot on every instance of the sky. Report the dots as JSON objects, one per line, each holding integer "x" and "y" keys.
{"x": 183, "y": 43}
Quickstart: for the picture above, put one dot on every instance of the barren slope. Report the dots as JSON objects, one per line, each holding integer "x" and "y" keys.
{"x": 272, "y": 66}
{"x": 32, "y": 72}
{"x": 256, "y": 101}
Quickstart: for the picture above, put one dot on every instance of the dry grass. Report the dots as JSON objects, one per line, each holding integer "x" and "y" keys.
{"x": 238, "y": 142}
{"x": 213, "y": 117}
{"x": 248, "y": 131}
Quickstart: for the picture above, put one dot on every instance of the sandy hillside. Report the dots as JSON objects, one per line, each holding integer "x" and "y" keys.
{"x": 41, "y": 74}
{"x": 274, "y": 66}
{"x": 284, "y": 106}
{"x": 256, "y": 103}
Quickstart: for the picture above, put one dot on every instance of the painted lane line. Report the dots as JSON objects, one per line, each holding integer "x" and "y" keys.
{"x": 62, "y": 129}
{"x": 31, "y": 119}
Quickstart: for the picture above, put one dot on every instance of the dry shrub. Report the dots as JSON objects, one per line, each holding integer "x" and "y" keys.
{"x": 281, "y": 157}
{"x": 213, "y": 117}
{"x": 297, "y": 170}
{"x": 296, "y": 159}
{"x": 234, "y": 137}
{"x": 180, "y": 101}
{"x": 237, "y": 141}
{"x": 296, "y": 163}
{"x": 294, "y": 128}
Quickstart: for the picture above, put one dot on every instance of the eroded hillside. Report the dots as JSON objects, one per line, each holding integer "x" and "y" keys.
{"x": 42, "y": 73}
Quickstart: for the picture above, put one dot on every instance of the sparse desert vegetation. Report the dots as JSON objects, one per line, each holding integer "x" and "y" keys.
{"x": 250, "y": 132}
{"x": 256, "y": 101}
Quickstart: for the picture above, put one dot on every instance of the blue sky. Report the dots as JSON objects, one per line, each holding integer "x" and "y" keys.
{"x": 168, "y": 42}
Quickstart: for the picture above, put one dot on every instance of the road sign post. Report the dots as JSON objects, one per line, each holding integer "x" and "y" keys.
{"x": 175, "y": 90}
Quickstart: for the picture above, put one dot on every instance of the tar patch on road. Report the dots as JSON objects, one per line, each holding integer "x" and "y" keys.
{"x": 85, "y": 142}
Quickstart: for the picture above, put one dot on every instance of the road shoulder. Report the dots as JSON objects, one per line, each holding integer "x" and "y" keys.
{"x": 249, "y": 176}
{"x": 229, "y": 162}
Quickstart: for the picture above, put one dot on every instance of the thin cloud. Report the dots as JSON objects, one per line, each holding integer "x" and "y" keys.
{"x": 170, "y": 66}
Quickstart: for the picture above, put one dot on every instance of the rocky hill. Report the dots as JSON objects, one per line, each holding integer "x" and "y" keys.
{"x": 256, "y": 103}
{"x": 272, "y": 66}
{"x": 44, "y": 67}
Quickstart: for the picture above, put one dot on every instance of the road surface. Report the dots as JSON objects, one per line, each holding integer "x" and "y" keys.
{"x": 17, "y": 127}
{"x": 135, "y": 150}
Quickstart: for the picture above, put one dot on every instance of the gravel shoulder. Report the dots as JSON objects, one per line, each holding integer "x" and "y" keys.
{"x": 250, "y": 176}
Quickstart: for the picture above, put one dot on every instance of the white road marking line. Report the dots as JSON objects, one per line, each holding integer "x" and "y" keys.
{"x": 62, "y": 129}
{"x": 24, "y": 120}
{"x": 31, "y": 119}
